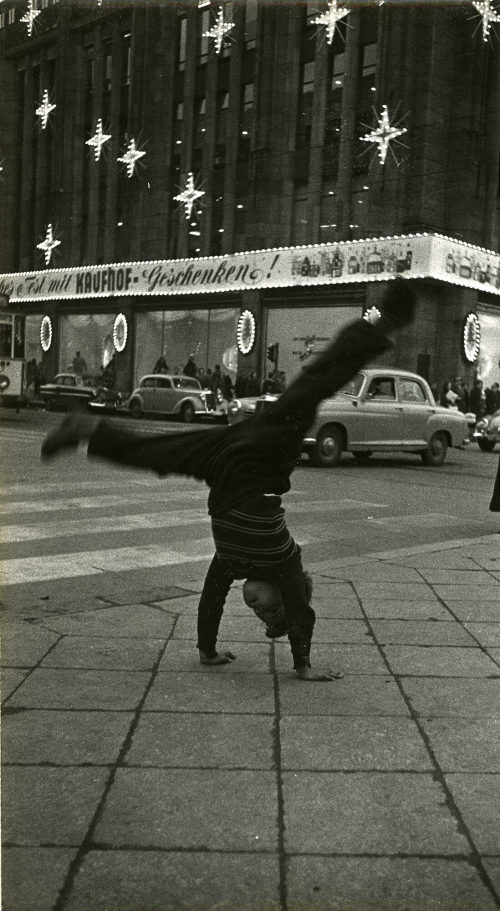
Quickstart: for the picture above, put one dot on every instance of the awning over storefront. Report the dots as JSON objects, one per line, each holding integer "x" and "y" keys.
{"x": 376, "y": 259}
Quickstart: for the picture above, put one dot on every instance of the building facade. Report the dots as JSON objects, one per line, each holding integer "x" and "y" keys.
{"x": 273, "y": 121}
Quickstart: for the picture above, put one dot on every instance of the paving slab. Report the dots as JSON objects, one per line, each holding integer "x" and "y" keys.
{"x": 232, "y": 628}
{"x": 379, "y": 572}
{"x": 368, "y": 812}
{"x": 438, "y": 661}
{"x": 388, "y": 883}
{"x": 474, "y": 609}
{"x": 468, "y": 592}
{"x": 251, "y": 657}
{"x": 405, "y": 610}
{"x": 348, "y": 631}
{"x": 49, "y": 806}
{"x": 376, "y": 695}
{"x": 421, "y": 632}
{"x": 131, "y": 620}
{"x": 334, "y": 744}
{"x": 63, "y": 738}
{"x": 346, "y": 659}
{"x": 465, "y": 744}
{"x": 219, "y": 689}
{"x": 24, "y": 644}
{"x": 478, "y": 799}
{"x": 56, "y": 688}
{"x": 32, "y": 877}
{"x": 195, "y": 881}
{"x": 438, "y": 698}
{"x": 394, "y": 591}
{"x": 176, "y": 739}
{"x": 102, "y": 652}
{"x": 476, "y": 577}
{"x": 170, "y": 809}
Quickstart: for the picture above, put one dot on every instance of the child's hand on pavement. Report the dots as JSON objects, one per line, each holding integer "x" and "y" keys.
{"x": 220, "y": 658}
{"x": 307, "y": 673}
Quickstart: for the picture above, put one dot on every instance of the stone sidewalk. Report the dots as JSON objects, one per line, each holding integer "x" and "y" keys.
{"x": 134, "y": 779}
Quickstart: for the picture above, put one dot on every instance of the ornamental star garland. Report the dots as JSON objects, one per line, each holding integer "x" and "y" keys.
{"x": 98, "y": 140}
{"x": 130, "y": 157}
{"x": 44, "y": 109}
{"x": 30, "y": 15}
{"x": 219, "y": 30}
{"x": 48, "y": 244}
{"x": 383, "y": 134}
{"x": 488, "y": 15}
{"x": 330, "y": 18}
{"x": 189, "y": 195}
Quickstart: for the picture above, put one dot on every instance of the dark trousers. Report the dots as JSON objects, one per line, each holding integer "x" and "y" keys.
{"x": 288, "y": 576}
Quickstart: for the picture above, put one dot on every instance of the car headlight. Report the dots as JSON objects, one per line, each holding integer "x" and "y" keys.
{"x": 482, "y": 425}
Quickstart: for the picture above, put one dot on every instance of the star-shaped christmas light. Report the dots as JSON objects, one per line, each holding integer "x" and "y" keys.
{"x": 98, "y": 140}
{"x": 130, "y": 157}
{"x": 189, "y": 195}
{"x": 219, "y": 31}
{"x": 30, "y": 15}
{"x": 48, "y": 244}
{"x": 44, "y": 109}
{"x": 383, "y": 134}
{"x": 488, "y": 15}
{"x": 331, "y": 17}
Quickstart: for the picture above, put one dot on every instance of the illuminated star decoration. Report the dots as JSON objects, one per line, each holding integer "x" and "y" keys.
{"x": 219, "y": 30}
{"x": 330, "y": 18}
{"x": 189, "y": 195}
{"x": 98, "y": 140}
{"x": 130, "y": 157}
{"x": 383, "y": 134}
{"x": 30, "y": 15}
{"x": 48, "y": 244}
{"x": 44, "y": 109}
{"x": 488, "y": 15}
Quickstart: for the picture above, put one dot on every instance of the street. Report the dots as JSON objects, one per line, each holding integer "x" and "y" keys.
{"x": 135, "y": 779}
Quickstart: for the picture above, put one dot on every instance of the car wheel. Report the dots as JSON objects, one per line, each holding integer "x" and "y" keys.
{"x": 187, "y": 413}
{"x": 136, "y": 409}
{"x": 329, "y": 447}
{"x": 435, "y": 453}
{"x": 363, "y": 456}
{"x": 486, "y": 445}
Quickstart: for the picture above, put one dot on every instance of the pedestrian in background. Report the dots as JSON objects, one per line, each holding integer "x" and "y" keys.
{"x": 161, "y": 365}
{"x": 79, "y": 364}
{"x": 477, "y": 400}
{"x": 190, "y": 368}
{"x": 463, "y": 396}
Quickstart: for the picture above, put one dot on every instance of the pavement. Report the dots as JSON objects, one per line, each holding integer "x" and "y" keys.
{"x": 135, "y": 779}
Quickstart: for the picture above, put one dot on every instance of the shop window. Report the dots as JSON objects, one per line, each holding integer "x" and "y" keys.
{"x": 299, "y": 223}
{"x": 179, "y": 111}
{"x": 126, "y": 59}
{"x": 248, "y": 96}
{"x": 369, "y": 60}
{"x": 338, "y": 72}
{"x": 305, "y": 105}
{"x": 11, "y": 16}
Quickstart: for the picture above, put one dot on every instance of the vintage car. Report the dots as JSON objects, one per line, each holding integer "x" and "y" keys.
{"x": 380, "y": 409}
{"x": 162, "y": 394}
{"x": 487, "y": 432}
{"x": 69, "y": 389}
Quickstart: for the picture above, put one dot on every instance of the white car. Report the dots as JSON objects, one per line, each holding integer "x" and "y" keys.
{"x": 380, "y": 409}
{"x": 159, "y": 393}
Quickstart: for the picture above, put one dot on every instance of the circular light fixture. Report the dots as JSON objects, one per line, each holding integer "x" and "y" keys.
{"x": 472, "y": 337}
{"x": 120, "y": 332}
{"x": 46, "y": 333}
{"x": 245, "y": 332}
{"x": 372, "y": 314}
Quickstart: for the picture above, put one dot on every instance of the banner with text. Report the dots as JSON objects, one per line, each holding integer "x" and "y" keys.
{"x": 414, "y": 256}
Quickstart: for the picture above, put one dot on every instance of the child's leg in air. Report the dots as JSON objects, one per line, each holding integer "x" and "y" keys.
{"x": 213, "y": 597}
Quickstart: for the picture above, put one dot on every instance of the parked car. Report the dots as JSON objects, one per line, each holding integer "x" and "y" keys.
{"x": 69, "y": 389}
{"x": 380, "y": 409}
{"x": 174, "y": 395}
{"x": 487, "y": 432}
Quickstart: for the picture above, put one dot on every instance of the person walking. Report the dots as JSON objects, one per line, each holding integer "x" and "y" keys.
{"x": 79, "y": 364}
{"x": 190, "y": 368}
{"x": 247, "y": 467}
{"x": 161, "y": 365}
